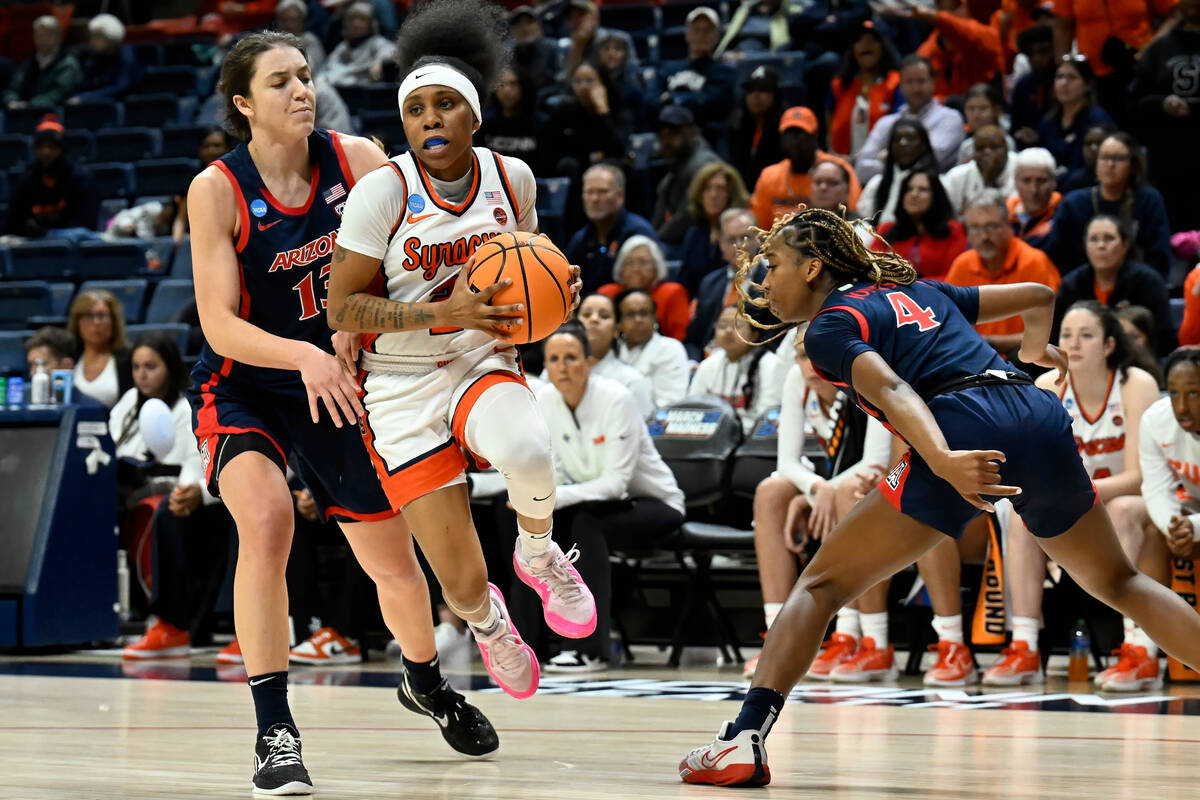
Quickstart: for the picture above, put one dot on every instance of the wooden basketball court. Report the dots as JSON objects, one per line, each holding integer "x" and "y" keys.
{"x": 174, "y": 728}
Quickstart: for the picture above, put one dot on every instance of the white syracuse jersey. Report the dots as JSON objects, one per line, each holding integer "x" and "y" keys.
{"x": 395, "y": 213}
{"x": 1101, "y": 439}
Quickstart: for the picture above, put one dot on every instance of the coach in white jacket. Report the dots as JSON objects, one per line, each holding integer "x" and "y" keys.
{"x": 660, "y": 358}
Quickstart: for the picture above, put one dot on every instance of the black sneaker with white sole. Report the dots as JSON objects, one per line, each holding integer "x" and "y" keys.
{"x": 278, "y": 769}
{"x": 463, "y": 726}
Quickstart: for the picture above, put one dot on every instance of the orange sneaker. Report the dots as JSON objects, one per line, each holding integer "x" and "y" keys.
{"x": 1019, "y": 666}
{"x": 163, "y": 640}
{"x": 1135, "y": 672}
{"x": 326, "y": 646}
{"x": 837, "y": 649}
{"x": 955, "y": 666}
{"x": 868, "y": 664}
{"x": 230, "y": 653}
{"x": 1104, "y": 674}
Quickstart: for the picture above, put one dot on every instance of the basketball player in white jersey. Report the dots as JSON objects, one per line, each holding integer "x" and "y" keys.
{"x": 1105, "y": 395}
{"x": 435, "y": 380}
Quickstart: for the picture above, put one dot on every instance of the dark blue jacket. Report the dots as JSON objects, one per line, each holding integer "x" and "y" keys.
{"x": 700, "y": 256}
{"x": 1065, "y": 247}
{"x": 595, "y": 258}
{"x": 710, "y": 299}
{"x": 1067, "y": 145}
{"x": 705, "y": 87}
{"x": 110, "y": 76}
{"x": 1137, "y": 285}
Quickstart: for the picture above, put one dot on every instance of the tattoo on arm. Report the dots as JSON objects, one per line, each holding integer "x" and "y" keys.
{"x": 379, "y": 314}
{"x": 339, "y": 255}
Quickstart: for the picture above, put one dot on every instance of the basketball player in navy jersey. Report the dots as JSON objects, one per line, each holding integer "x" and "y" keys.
{"x": 979, "y": 430}
{"x": 268, "y": 386}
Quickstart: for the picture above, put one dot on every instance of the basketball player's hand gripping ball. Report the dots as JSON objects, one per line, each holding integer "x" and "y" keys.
{"x": 539, "y": 280}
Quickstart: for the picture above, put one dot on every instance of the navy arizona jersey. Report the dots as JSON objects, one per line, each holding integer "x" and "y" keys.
{"x": 284, "y": 254}
{"x": 922, "y": 331}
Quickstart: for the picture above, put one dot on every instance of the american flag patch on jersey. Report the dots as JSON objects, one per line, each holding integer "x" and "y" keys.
{"x": 494, "y": 197}
{"x": 335, "y": 194}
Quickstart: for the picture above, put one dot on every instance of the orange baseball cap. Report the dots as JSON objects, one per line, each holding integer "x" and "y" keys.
{"x": 800, "y": 117}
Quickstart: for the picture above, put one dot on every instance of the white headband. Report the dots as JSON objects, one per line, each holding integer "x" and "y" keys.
{"x": 441, "y": 75}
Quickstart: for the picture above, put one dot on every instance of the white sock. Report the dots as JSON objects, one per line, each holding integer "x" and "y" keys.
{"x": 1129, "y": 626}
{"x": 848, "y": 622}
{"x": 488, "y": 626}
{"x": 949, "y": 629}
{"x": 534, "y": 544}
{"x": 770, "y": 612}
{"x": 875, "y": 626}
{"x": 1025, "y": 629}
{"x": 1137, "y": 636}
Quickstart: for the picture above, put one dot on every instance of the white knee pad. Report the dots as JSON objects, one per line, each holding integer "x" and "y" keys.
{"x": 506, "y": 428}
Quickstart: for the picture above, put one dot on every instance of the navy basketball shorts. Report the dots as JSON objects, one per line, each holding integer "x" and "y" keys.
{"x": 1031, "y": 428}
{"x": 230, "y": 417}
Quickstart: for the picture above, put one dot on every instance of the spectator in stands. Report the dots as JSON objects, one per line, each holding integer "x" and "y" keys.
{"x": 1085, "y": 176}
{"x": 625, "y": 85}
{"x": 1138, "y": 324}
{"x": 584, "y": 32}
{"x": 982, "y": 105}
{"x": 944, "y": 125}
{"x": 110, "y": 69}
{"x": 103, "y": 369}
{"x": 594, "y": 246}
{"x": 703, "y": 85}
{"x": 383, "y": 10}
{"x": 925, "y": 231}
{"x": 660, "y": 358}
{"x": 824, "y": 30}
{"x": 532, "y": 51}
{"x": 756, "y": 24}
{"x": 190, "y": 533}
{"x": 784, "y": 186}
{"x": 1033, "y": 94}
{"x": 998, "y": 257}
{"x": 909, "y": 149}
{"x": 586, "y": 131}
{"x": 291, "y": 16}
{"x": 716, "y": 288}
{"x": 640, "y": 264}
{"x": 1074, "y": 111}
{"x": 961, "y": 50}
{"x": 1120, "y": 191}
{"x": 143, "y": 221}
{"x": 739, "y": 372}
{"x": 1114, "y": 279}
{"x": 52, "y": 347}
{"x": 614, "y": 491}
{"x": 1032, "y": 209}
{"x": 754, "y": 133}
{"x": 831, "y": 187}
{"x": 685, "y": 152}
{"x": 716, "y": 187}
{"x": 215, "y": 143}
{"x": 863, "y": 91}
{"x": 991, "y": 167}
{"x": 56, "y": 194}
{"x": 1167, "y": 103}
{"x": 50, "y": 75}
{"x": 598, "y": 315}
{"x": 1013, "y": 18}
{"x": 512, "y": 125}
{"x": 359, "y": 58}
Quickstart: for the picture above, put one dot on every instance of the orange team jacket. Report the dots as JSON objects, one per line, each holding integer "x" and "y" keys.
{"x": 1096, "y": 20}
{"x": 779, "y": 190}
{"x": 1009, "y": 21}
{"x": 1189, "y": 331}
{"x": 1023, "y": 263}
{"x": 977, "y": 55}
{"x": 879, "y": 100}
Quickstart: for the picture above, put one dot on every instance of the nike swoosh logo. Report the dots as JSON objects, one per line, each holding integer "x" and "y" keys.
{"x": 540, "y": 499}
{"x": 411, "y": 219}
{"x": 711, "y": 763}
{"x": 262, "y": 227}
{"x": 262, "y": 680}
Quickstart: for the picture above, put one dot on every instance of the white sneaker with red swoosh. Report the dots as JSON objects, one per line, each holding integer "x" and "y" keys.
{"x": 737, "y": 761}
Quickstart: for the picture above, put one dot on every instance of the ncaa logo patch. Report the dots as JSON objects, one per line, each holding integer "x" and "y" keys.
{"x": 500, "y": 215}
{"x": 897, "y": 473}
{"x": 416, "y": 203}
{"x": 259, "y": 208}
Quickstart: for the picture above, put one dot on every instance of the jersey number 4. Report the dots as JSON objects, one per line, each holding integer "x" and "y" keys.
{"x": 308, "y": 296}
{"x": 909, "y": 313}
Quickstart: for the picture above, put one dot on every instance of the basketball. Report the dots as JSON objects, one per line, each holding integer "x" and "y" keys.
{"x": 541, "y": 280}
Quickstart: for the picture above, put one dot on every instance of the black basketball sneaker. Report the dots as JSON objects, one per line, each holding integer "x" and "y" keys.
{"x": 278, "y": 769}
{"x": 463, "y": 726}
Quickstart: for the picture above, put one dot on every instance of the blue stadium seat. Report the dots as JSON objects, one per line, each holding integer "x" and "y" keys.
{"x": 4, "y": 186}
{"x": 131, "y": 292}
{"x": 159, "y": 250}
{"x": 127, "y": 144}
{"x": 80, "y": 145}
{"x": 181, "y": 265}
{"x": 151, "y": 110}
{"x": 15, "y": 150}
{"x": 12, "y": 352}
{"x": 630, "y": 17}
{"x": 170, "y": 297}
{"x": 24, "y": 120}
{"x": 61, "y": 293}
{"x": 387, "y": 125}
{"x": 182, "y": 141}
{"x": 552, "y": 208}
{"x": 92, "y": 115}
{"x": 169, "y": 176}
{"x": 177, "y": 329}
{"x": 113, "y": 180}
{"x": 111, "y": 260}
{"x": 108, "y": 209}
{"x": 45, "y": 260}
{"x": 177, "y": 80}
{"x": 148, "y": 54}
{"x": 186, "y": 52}
{"x": 20, "y": 300}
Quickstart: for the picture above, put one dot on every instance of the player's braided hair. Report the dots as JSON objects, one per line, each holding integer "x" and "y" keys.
{"x": 825, "y": 235}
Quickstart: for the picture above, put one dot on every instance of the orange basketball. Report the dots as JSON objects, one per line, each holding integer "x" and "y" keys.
{"x": 541, "y": 281}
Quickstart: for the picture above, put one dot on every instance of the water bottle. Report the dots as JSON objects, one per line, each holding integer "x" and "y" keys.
{"x": 39, "y": 392}
{"x": 16, "y": 391}
{"x": 122, "y": 586}
{"x": 1081, "y": 651}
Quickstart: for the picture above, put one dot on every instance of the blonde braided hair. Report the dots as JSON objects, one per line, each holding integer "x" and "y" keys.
{"x": 821, "y": 234}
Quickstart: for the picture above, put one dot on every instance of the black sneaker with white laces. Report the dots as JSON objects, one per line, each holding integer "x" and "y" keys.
{"x": 278, "y": 769}
{"x": 463, "y": 726}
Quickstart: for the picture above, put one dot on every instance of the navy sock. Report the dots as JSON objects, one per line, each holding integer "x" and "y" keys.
{"x": 759, "y": 711}
{"x": 422, "y": 677}
{"x": 270, "y": 701}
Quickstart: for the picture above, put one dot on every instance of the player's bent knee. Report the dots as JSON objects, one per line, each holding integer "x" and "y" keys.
{"x": 773, "y": 490}
{"x": 265, "y": 532}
